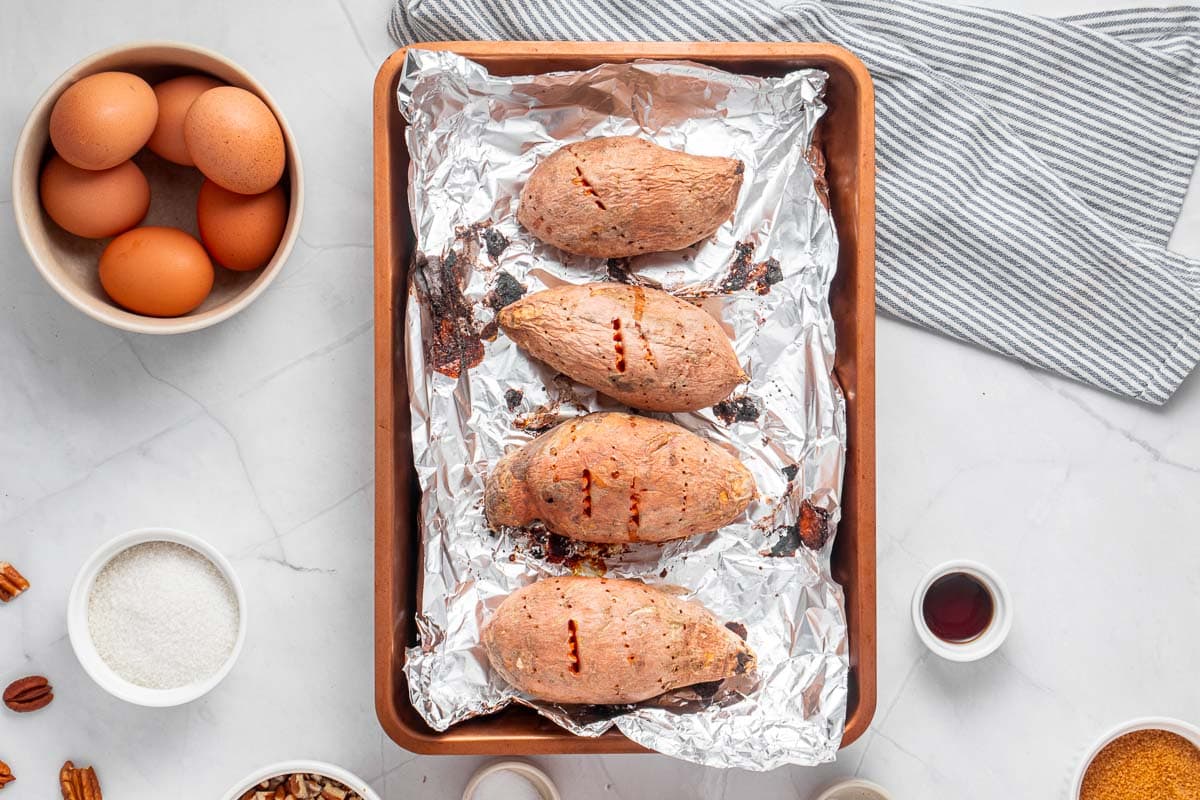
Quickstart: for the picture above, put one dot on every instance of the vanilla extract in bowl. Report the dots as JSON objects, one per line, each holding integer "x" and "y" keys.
{"x": 958, "y": 608}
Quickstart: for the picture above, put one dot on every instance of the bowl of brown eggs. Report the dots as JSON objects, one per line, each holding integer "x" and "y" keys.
{"x": 157, "y": 187}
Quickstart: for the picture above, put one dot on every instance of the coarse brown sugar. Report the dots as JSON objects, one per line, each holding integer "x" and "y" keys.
{"x": 1144, "y": 765}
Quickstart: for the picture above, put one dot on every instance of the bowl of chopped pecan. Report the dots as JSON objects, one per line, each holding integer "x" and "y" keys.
{"x": 301, "y": 780}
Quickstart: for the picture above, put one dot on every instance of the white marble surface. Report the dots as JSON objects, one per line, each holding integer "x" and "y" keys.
{"x": 257, "y": 434}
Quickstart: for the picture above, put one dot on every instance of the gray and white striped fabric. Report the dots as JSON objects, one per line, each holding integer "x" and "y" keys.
{"x": 1030, "y": 170}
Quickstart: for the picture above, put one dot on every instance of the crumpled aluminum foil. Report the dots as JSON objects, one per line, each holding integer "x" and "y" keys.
{"x": 473, "y": 140}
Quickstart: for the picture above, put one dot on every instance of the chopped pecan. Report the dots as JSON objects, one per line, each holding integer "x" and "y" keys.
{"x": 299, "y": 786}
{"x": 6, "y": 776}
{"x": 12, "y": 583}
{"x": 333, "y": 792}
{"x": 28, "y": 694}
{"x": 79, "y": 784}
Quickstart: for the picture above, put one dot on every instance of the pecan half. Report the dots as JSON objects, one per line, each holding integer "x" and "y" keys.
{"x": 79, "y": 784}
{"x": 12, "y": 583}
{"x": 28, "y": 694}
{"x": 6, "y": 776}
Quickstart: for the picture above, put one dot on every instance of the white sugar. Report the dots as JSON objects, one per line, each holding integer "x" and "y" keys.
{"x": 162, "y": 615}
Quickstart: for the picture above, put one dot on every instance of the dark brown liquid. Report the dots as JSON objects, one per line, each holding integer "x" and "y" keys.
{"x": 957, "y": 607}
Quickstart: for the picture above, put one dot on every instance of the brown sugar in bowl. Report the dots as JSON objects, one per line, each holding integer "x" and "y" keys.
{"x": 70, "y": 264}
{"x": 1140, "y": 760}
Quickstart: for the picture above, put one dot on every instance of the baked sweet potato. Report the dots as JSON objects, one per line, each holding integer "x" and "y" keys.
{"x": 639, "y": 345}
{"x": 601, "y": 641}
{"x": 623, "y": 196}
{"x": 616, "y": 478}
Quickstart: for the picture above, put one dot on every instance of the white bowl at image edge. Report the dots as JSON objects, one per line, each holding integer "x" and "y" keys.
{"x": 540, "y": 780}
{"x": 995, "y": 633}
{"x": 854, "y": 789}
{"x": 1184, "y": 729}
{"x": 85, "y": 649}
{"x": 344, "y": 777}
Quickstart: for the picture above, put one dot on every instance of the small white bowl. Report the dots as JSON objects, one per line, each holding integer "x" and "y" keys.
{"x": 1184, "y": 729}
{"x": 85, "y": 649}
{"x": 70, "y": 264}
{"x": 344, "y": 777}
{"x": 540, "y": 780}
{"x": 855, "y": 789}
{"x": 992, "y": 637}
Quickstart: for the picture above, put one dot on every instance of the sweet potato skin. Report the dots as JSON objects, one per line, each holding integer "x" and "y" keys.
{"x": 601, "y": 641}
{"x": 615, "y": 478}
{"x": 621, "y": 196}
{"x": 642, "y": 346}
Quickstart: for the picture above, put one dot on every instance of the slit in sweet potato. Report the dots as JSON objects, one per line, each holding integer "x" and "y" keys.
{"x": 573, "y": 645}
{"x": 635, "y": 513}
{"x": 587, "y": 492}
{"x": 646, "y": 351}
{"x": 619, "y": 344}
{"x": 579, "y": 180}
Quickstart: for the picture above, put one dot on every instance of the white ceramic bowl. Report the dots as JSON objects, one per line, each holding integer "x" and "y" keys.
{"x": 349, "y": 779}
{"x": 1184, "y": 729}
{"x": 997, "y": 630}
{"x": 70, "y": 264}
{"x": 81, "y": 640}
{"x": 854, "y": 789}
{"x": 540, "y": 780}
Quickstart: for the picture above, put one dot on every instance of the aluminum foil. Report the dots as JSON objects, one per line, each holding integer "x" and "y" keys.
{"x": 473, "y": 140}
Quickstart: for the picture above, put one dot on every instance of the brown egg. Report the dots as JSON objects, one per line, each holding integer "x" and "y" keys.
{"x": 160, "y": 272}
{"x": 175, "y": 97}
{"x": 235, "y": 140}
{"x": 241, "y": 231}
{"x": 94, "y": 203}
{"x": 103, "y": 119}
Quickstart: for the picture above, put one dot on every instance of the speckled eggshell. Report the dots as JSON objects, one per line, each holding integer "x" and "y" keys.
{"x": 94, "y": 203}
{"x": 160, "y": 272}
{"x": 103, "y": 119}
{"x": 241, "y": 231}
{"x": 235, "y": 140}
{"x": 175, "y": 97}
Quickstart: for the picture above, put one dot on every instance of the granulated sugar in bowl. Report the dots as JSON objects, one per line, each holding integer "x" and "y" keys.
{"x": 157, "y": 617}
{"x": 162, "y": 616}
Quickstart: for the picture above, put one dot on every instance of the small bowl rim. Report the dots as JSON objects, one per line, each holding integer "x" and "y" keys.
{"x": 991, "y": 639}
{"x": 323, "y": 768}
{"x": 85, "y": 650}
{"x": 1185, "y": 729}
{"x": 541, "y": 781}
{"x": 124, "y": 319}
{"x": 854, "y": 783}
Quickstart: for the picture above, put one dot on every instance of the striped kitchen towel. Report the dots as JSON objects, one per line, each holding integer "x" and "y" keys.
{"x": 1030, "y": 170}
